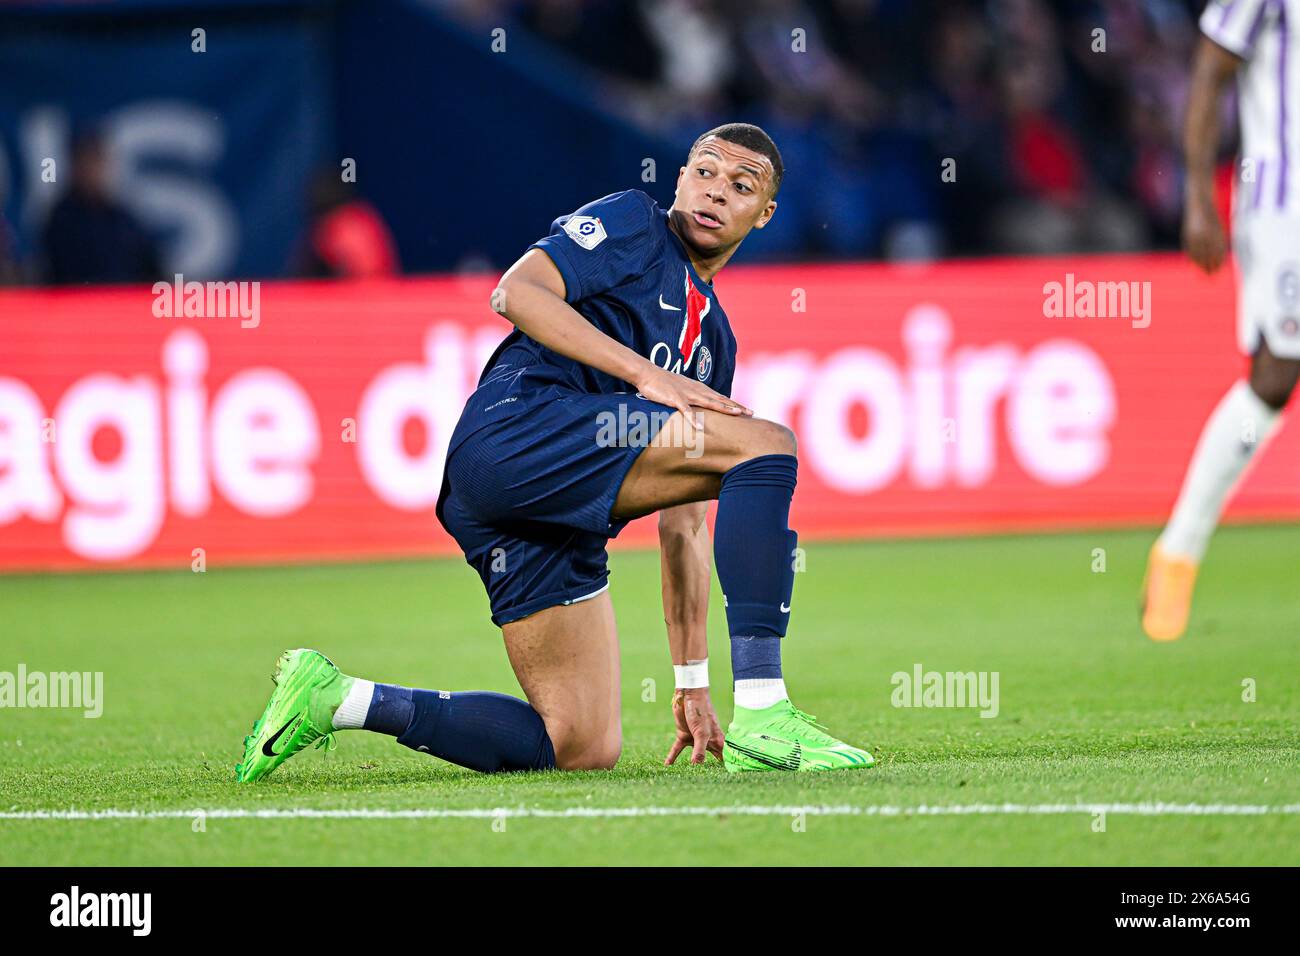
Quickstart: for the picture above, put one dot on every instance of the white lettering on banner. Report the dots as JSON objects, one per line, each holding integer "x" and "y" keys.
{"x": 856, "y": 376}
{"x": 185, "y": 359}
{"x": 433, "y": 393}
{"x": 1059, "y": 399}
{"x": 264, "y": 438}
{"x": 116, "y": 507}
{"x": 926, "y": 333}
{"x": 26, "y": 485}
{"x": 1059, "y": 412}
{"x": 981, "y": 377}
{"x": 935, "y": 419}
{"x": 262, "y": 428}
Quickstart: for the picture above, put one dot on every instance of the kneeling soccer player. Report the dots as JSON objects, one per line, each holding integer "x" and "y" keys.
{"x": 608, "y": 401}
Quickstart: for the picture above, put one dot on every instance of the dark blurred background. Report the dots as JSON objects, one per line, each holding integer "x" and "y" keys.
{"x": 140, "y": 138}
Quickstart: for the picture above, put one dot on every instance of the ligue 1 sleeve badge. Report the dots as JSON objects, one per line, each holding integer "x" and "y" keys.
{"x": 704, "y": 364}
{"x": 586, "y": 231}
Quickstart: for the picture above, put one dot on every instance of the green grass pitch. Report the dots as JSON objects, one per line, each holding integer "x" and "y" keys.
{"x": 1091, "y": 712}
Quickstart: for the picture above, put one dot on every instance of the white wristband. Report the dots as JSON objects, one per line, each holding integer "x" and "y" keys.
{"x": 692, "y": 674}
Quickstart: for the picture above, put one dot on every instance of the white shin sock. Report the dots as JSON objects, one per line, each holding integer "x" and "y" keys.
{"x": 351, "y": 714}
{"x": 758, "y": 693}
{"x": 1236, "y": 432}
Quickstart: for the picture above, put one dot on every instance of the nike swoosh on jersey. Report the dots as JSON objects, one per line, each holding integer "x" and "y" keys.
{"x": 665, "y": 305}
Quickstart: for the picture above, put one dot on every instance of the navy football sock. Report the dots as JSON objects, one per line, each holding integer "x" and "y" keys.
{"x": 753, "y": 548}
{"x": 480, "y": 730}
{"x": 391, "y": 710}
{"x": 755, "y": 658}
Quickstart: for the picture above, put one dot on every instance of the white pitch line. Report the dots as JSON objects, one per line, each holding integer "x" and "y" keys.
{"x": 438, "y": 813}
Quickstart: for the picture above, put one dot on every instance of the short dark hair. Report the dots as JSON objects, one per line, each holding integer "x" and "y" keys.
{"x": 751, "y": 137}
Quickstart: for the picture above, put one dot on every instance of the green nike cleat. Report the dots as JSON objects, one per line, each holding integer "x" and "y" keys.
{"x": 308, "y": 689}
{"x": 782, "y": 737}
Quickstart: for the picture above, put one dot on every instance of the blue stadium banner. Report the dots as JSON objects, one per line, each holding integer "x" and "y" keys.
{"x": 215, "y": 119}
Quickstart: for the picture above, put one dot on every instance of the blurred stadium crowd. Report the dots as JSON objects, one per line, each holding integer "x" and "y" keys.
{"x": 1064, "y": 139}
{"x": 1062, "y": 121}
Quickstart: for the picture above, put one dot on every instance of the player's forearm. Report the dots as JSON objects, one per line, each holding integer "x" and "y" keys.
{"x": 686, "y": 572}
{"x": 546, "y": 318}
{"x": 1213, "y": 69}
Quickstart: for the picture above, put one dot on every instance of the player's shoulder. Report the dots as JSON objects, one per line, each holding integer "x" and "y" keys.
{"x": 630, "y": 218}
{"x": 630, "y": 207}
{"x": 1237, "y": 25}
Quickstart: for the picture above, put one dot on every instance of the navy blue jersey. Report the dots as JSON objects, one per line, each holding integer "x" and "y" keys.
{"x": 629, "y": 275}
{"x": 529, "y": 478}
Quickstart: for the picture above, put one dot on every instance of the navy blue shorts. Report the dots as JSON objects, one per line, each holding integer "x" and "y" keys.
{"x": 530, "y": 482}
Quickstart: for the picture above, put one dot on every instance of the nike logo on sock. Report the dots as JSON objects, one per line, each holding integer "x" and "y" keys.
{"x": 785, "y": 608}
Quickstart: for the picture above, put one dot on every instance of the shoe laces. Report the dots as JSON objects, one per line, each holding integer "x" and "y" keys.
{"x": 804, "y": 716}
{"x": 327, "y": 743}
{"x": 810, "y": 721}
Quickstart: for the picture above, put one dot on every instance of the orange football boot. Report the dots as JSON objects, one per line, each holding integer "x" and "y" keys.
{"x": 1167, "y": 594}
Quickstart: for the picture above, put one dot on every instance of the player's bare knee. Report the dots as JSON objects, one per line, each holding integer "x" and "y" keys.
{"x": 1273, "y": 379}
{"x": 753, "y": 438}
{"x": 605, "y": 756}
{"x": 769, "y": 438}
{"x": 1273, "y": 387}
{"x": 589, "y": 762}
{"x": 577, "y": 747}
{"x": 589, "y": 755}
{"x": 790, "y": 441}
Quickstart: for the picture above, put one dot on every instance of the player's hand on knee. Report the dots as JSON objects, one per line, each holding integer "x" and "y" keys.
{"x": 685, "y": 395}
{"x": 697, "y": 726}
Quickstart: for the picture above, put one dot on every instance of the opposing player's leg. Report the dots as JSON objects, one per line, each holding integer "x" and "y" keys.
{"x": 1234, "y": 435}
{"x": 749, "y": 466}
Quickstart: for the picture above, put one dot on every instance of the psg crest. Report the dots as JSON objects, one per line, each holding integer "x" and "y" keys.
{"x": 704, "y": 365}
